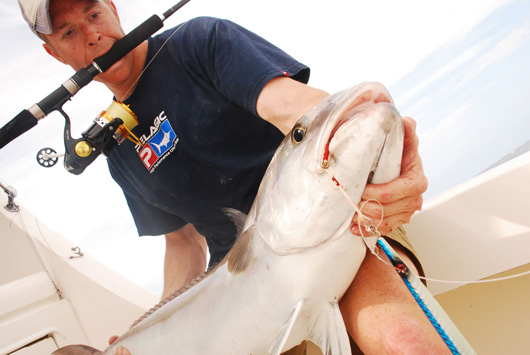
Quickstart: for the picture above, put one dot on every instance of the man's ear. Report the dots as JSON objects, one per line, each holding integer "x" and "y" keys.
{"x": 114, "y": 10}
{"x": 49, "y": 49}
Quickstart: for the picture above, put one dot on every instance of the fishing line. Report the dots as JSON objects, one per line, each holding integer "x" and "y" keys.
{"x": 363, "y": 221}
{"x": 37, "y": 254}
{"x": 151, "y": 61}
{"x": 443, "y": 325}
{"x": 367, "y": 224}
{"x": 76, "y": 249}
{"x": 477, "y": 281}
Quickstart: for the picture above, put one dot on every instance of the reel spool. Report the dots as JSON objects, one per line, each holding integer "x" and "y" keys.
{"x": 115, "y": 110}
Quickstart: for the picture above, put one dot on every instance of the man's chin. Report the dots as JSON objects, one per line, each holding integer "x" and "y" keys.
{"x": 115, "y": 73}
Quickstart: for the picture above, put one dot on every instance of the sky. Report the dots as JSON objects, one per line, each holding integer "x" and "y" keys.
{"x": 459, "y": 68}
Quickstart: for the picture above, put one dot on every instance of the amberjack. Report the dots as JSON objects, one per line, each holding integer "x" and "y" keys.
{"x": 295, "y": 257}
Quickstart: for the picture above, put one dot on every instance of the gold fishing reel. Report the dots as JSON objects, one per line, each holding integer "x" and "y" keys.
{"x": 122, "y": 111}
{"x": 109, "y": 129}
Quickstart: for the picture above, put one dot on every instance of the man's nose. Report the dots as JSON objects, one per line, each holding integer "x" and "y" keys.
{"x": 92, "y": 35}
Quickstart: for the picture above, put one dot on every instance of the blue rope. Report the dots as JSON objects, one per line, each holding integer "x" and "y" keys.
{"x": 423, "y": 306}
{"x": 432, "y": 318}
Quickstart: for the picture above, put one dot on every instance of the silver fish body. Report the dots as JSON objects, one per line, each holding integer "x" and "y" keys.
{"x": 295, "y": 258}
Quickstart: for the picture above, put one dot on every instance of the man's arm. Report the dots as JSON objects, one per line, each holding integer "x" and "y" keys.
{"x": 185, "y": 258}
{"x": 283, "y": 101}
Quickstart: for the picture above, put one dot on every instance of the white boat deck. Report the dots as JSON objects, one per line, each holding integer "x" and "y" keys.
{"x": 478, "y": 230}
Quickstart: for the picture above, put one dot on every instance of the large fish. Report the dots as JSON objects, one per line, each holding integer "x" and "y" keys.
{"x": 281, "y": 282}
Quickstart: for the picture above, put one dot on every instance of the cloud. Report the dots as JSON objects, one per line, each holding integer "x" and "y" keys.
{"x": 447, "y": 128}
{"x": 439, "y": 74}
{"x": 503, "y": 49}
{"x": 507, "y": 46}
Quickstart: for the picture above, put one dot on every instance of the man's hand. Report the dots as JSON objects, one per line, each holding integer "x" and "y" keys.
{"x": 402, "y": 197}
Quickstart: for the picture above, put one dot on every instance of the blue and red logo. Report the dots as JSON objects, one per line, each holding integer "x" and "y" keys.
{"x": 158, "y": 146}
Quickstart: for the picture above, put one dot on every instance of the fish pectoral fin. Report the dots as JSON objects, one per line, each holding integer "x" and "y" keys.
{"x": 286, "y": 329}
{"x": 240, "y": 257}
{"x": 77, "y": 350}
{"x": 329, "y": 331}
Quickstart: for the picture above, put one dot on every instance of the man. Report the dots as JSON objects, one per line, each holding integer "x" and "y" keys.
{"x": 220, "y": 96}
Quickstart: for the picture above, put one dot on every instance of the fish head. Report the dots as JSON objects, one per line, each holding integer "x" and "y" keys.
{"x": 357, "y": 136}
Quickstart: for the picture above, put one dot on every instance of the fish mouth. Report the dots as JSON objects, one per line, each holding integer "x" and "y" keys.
{"x": 354, "y": 104}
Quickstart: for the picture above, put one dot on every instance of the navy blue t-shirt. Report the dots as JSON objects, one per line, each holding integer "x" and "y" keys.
{"x": 203, "y": 145}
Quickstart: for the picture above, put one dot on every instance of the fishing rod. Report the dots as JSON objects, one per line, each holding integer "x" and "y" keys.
{"x": 82, "y": 152}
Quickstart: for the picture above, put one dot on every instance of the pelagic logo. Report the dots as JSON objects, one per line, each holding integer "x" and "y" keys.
{"x": 159, "y": 144}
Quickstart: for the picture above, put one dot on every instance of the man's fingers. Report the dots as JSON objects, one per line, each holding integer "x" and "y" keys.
{"x": 412, "y": 182}
{"x": 373, "y": 209}
{"x": 385, "y": 227}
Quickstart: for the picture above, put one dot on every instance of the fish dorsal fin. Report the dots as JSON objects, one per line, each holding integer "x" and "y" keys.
{"x": 240, "y": 256}
{"x": 329, "y": 331}
{"x": 171, "y": 297}
{"x": 77, "y": 350}
{"x": 237, "y": 217}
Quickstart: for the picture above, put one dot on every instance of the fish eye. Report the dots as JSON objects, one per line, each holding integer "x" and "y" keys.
{"x": 298, "y": 134}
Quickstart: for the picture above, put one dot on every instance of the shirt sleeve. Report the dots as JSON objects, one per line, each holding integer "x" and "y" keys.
{"x": 236, "y": 61}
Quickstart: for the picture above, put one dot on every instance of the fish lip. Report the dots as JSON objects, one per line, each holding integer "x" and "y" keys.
{"x": 357, "y": 99}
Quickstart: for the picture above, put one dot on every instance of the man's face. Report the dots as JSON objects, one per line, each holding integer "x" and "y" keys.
{"x": 84, "y": 30}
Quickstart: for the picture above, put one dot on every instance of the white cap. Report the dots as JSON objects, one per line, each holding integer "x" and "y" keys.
{"x": 36, "y": 14}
